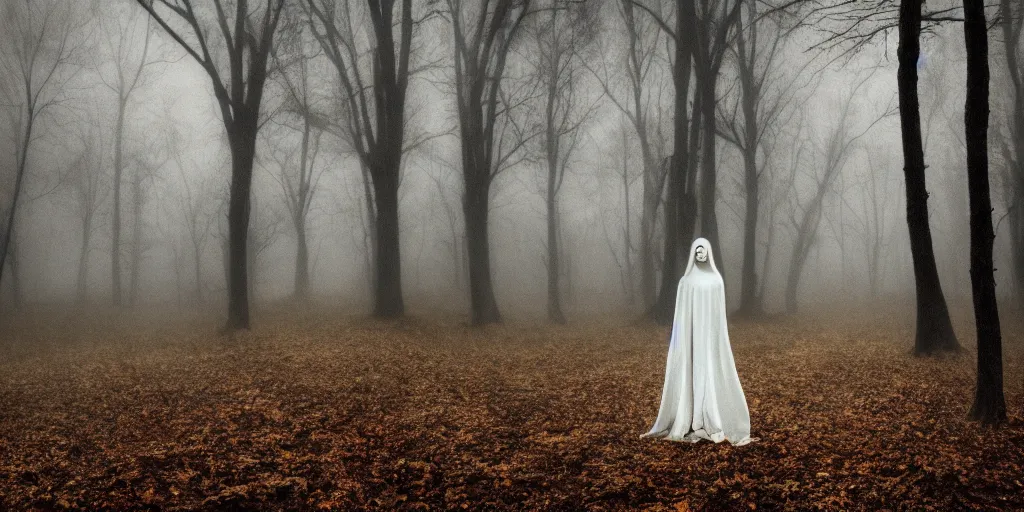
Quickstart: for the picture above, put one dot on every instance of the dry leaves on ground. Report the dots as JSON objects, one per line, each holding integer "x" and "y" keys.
{"x": 314, "y": 411}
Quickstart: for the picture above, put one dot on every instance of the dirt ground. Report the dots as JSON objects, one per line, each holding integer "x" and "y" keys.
{"x": 316, "y": 410}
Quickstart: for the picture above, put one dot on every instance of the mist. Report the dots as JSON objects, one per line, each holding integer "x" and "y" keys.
{"x": 229, "y": 169}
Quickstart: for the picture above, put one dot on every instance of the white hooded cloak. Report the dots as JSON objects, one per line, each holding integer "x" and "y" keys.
{"x": 702, "y": 398}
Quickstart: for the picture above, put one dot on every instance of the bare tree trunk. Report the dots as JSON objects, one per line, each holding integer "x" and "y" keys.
{"x": 301, "y": 261}
{"x": 371, "y": 227}
{"x": 483, "y": 306}
{"x": 134, "y": 284}
{"x": 555, "y": 314}
{"x": 627, "y": 246}
{"x": 934, "y": 330}
{"x": 989, "y": 403}
{"x": 198, "y": 270}
{"x": 388, "y": 297}
{"x": 242, "y": 152}
{"x": 301, "y": 290}
{"x": 6, "y": 248}
{"x": 81, "y": 282}
{"x": 709, "y": 174}
{"x": 679, "y": 202}
{"x": 1013, "y": 26}
{"x": 115, "y": 226}
{"x": 801, "y": 249}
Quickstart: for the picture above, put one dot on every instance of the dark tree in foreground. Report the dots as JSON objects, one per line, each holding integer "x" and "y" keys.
{"x": 375, "y": 97}
{"x": 681, "y": 204}
{"x": 934, "y": 329}
{"x": 989, "y": 404}
{"x": 247, "y": 36}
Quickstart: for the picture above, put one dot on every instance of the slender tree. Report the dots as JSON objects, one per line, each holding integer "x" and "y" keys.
{"x": 989, "y": 404}
{"x": 561, "y": 35}
{"x": 247, "y": 36}
{"x": 87, "y": 195}
{"x": 1013, "y": 49}
{"x": 37, "y": 60}
{"x": 298, "y": 179}
{"x": 127, "y": 65}
{"x": 806, "y": 217}
{"x": 757, "y": 112}
{"x": 681, "y": 202}
{"x": 641, "y": 102}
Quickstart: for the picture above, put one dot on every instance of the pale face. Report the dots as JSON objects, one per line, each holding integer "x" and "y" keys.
{"x": 701, "y": 253}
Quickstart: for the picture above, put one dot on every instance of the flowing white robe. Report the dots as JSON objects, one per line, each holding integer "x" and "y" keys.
{"x": 702, "y": 397}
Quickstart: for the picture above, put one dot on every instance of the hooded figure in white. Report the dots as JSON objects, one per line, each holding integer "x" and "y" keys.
{"x": 702, "y": 398}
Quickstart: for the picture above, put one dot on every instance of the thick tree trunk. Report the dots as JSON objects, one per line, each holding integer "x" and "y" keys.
{"x": 709, "y": 174}
{"x": 388, "y": 294}
{"x": 483, "y": 306}
{"x": 934, "y": 329}
{"x": 243, "y": 142}
{"x": 649, "y": 210}
{"x": 371, "y": 228}
{"x": 989, "y": 404}
{"x": 679, "y": 203}
{"x": 750, "y": 305}
{"x": 115, "y": 223}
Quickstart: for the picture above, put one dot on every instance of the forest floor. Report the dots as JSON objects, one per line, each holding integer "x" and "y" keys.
{"x": 316, "y": 411}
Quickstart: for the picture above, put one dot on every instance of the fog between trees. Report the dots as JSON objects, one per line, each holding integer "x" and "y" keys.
{"x": 582, "y": 126}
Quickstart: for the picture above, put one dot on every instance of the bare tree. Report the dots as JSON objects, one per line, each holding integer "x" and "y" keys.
{"x": 195, "y": 206}
{"x": 806, "y": 216}
{"x": 934, "y": 329}
{"x": 757, "y": 112}
{"x": 87, "y": 193}
{"x": 123, "y": 75}
{"x": 871, "y": 220}
{"x": 374, "y": 82}
{"x": 561, "y": 35}
{"x": 1012, "y": 23}
{"x": 247, "y": 36}
{"x": 714, "y": 24}
{"x": 298, "y": 180}
{"x": 989, "y": 403}
{"x": 37, "y": 60}
{"x": 620, "y": 241}
{"x": 641, "y": 102}
{"x": 148, "y": 161}
{"x": 484, "y": 32}
{"x": 681, "y": 202}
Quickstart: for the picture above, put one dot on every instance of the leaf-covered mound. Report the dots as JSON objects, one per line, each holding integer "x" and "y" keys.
{"x": 315, "y": 411}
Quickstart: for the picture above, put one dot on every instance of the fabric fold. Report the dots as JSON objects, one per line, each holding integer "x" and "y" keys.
{"x": 702, "y": 397}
